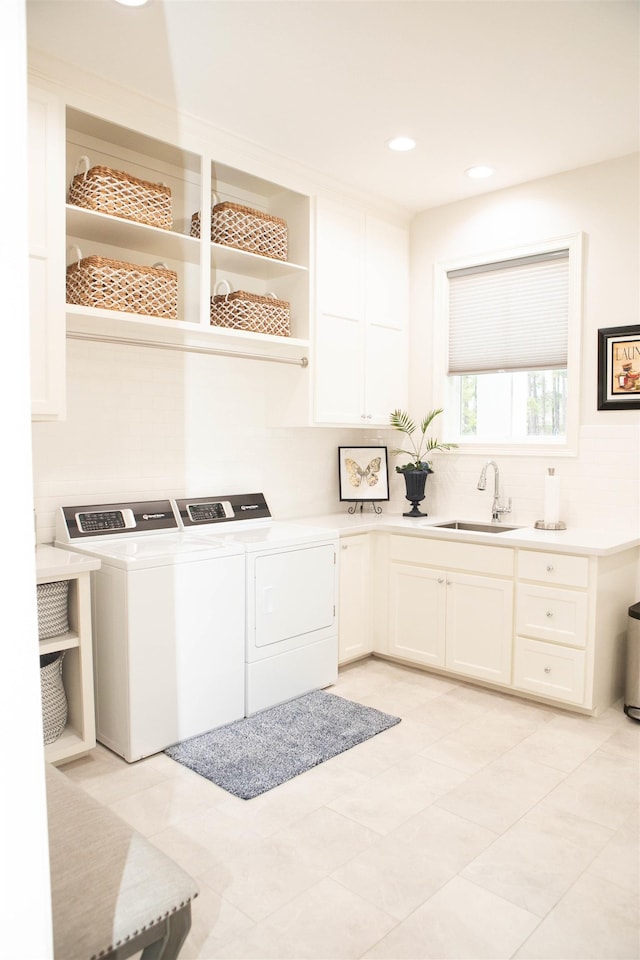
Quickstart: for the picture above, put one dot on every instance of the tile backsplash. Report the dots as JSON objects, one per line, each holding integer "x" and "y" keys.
{"x": 147, "y": 423}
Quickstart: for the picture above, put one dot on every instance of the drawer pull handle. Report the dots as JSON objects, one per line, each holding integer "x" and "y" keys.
{"x": 547, "y": 669}
{"x": 549, "y": 613}
{"x": 550, "y": 568}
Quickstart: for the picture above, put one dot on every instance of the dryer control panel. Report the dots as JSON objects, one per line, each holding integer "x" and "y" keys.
{"x": 198, "y": 511}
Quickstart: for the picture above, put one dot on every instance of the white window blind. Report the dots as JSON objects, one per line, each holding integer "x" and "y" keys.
{"x": 509, "y": 315}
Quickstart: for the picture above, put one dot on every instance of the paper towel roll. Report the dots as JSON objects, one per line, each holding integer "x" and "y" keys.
{"x": 551, "y": 498}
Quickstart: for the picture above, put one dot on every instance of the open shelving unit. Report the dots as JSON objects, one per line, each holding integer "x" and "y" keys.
{"x": 79, "y": 735}
{"x": 196, "y": 181}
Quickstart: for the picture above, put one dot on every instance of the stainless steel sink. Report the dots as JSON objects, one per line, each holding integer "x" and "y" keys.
{"x": 475, "y": 527}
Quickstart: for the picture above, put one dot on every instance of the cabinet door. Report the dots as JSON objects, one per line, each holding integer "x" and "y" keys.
{"x": 355, "y": 633}
{"x": 417, "y": 610}
{"x": 479, "y": 626}
{"x": 386, "y": 319}
{"x": 362, "y": 270}
{"x": 339, "y": 326}
{"x": 46, "y": 252}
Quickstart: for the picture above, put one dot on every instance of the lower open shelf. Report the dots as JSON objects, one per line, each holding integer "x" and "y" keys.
{"x": 69, "y": 746}
{"x": 113, "y": 326}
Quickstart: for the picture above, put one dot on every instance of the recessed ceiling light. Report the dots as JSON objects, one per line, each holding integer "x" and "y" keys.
{"x": 401, "y": 144}
{"x": 480, "y": 172}
{"x": 132, "y": 3}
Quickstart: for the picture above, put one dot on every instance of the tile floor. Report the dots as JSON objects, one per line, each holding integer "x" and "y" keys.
{"x": 480, "y": 826}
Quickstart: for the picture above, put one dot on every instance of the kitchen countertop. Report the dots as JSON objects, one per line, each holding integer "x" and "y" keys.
{"x": 590, "y": 541}
{"x": 54, "y": 562}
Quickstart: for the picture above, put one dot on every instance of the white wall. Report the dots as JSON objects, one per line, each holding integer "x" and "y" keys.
{"x": 145, "y": 423}
{"x": 152, "y": 423}
{"x": 601, "y": 485}
{"x": 25, "y": 910}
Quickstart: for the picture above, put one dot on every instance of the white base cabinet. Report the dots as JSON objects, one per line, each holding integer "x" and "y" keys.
{"x": 571, "y": 624}
{"x": 355, "y": 638}
{"x": 445, "y": 617}
{"x": 551, "y": 626}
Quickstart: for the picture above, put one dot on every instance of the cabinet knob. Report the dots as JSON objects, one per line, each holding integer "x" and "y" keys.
{"x": 550, "y": 568}
{"x": 547, "y": 669}
{"x": 549, "y": 613}
{"x": 440, "y": 579}
{"x": 448, "y": 583}
{"x": 343, "y": 546}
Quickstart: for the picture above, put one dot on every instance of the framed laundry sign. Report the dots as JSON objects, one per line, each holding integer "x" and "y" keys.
{"x": 619, "y": 368}
{"x": 363, "y": 474}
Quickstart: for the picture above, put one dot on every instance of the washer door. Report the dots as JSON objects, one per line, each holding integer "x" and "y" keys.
{"x": 294, "y": 593}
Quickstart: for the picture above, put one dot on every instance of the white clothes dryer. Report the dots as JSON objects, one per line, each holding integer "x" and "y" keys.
{"x": 168, "y": 624}
{"x": 291, "y": 636}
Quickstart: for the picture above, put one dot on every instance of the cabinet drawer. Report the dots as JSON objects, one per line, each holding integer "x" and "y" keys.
{"x": 559, "y": 568}
{"x": 474, "y": 557}
{"x": 551, "y": 671}
{"x": 556, "y": 615}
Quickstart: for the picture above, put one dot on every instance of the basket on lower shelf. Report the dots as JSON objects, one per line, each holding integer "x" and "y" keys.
{"x": 233, "y": 225}
{"x": 251, "y": 311}
{"x": 130, "y": 287}
{"x": 121, "y": 195}
{"x": 54, "y": 698}
{"x": 53, "y": 603}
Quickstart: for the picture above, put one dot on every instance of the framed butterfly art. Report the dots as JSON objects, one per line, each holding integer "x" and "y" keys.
{"x": 363, "y": 473}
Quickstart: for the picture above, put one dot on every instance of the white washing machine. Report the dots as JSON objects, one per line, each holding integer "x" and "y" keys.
{"x": 291, "y": 640}
{"x": 168, "y": 624}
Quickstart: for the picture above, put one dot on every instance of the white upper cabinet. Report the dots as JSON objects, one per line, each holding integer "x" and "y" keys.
{"x": 387, "y": 319}
{"x": 361, "y": 317}
{"x": 46, "y": 255}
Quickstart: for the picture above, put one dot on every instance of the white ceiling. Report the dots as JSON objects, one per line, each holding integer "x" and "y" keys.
{"x": 531, "y": 88}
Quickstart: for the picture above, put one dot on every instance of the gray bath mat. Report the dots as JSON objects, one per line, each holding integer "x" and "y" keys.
{"x": 254, "y": 755}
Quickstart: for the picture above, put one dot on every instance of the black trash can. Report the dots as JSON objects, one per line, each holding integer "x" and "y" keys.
{"x": 632, "y": 682}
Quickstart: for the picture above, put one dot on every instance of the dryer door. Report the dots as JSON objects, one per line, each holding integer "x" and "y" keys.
{"x": 294, "y": 594}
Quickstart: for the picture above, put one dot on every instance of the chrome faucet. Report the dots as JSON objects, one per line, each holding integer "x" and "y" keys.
{"x": 499, "y": 506}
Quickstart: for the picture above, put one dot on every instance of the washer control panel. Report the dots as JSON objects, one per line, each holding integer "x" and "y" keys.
{"x": 96, "y": 521}
{"x": 113, "y": 519}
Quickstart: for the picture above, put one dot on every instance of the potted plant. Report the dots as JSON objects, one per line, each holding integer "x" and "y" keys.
{"x": 418, "y": 468}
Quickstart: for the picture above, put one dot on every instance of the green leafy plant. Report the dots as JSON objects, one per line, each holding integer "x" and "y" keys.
{"x": 420, "y": 445}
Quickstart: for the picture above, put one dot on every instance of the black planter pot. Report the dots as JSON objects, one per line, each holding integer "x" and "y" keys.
{"x": 415, "y": 481}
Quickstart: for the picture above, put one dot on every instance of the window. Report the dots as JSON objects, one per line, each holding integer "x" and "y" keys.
{"x": 508, "y": 345}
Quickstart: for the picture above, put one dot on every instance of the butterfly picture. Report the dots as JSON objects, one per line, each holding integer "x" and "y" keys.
{"x": 363, "y": 473}
{"x": 357, "y": 474}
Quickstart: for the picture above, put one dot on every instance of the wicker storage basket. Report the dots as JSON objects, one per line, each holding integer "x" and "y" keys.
{"x": 250, "y": 311}
{"x": 53, "y": 616}
{"x": 115, "y": 285}
{"x": 121, "y": 195}
{"x": 54, "y": 699}
{"x": 245, "y": 229}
